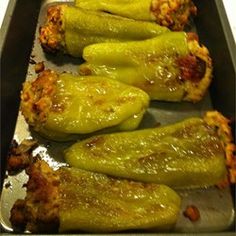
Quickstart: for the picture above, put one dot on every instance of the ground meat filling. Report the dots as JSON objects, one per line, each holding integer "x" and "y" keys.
{"x": 192, "y": 68}
{"x": 173, "y": 14}
{"x": 51, "y": 35}
{"x": 39, "y": 211}
{"x": 36, "y": 98}
{"x": 18, "y": 215}
{"x": 223, "y": 129}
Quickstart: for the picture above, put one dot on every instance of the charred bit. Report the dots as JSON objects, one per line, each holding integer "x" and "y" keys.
{"x": 20, "y": 156}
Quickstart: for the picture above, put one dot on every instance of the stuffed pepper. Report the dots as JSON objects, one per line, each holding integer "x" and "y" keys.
{"x": 71, "y": 199}
{"x": 60, "y": 106}
{"x": 187, "y": 154}
{"x": 170, "y": 67}
{"x": 173, "y": 14}
{"x": 70, "y": 29}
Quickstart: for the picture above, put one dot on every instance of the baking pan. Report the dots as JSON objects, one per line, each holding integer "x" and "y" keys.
{"x": 19, "y": 43}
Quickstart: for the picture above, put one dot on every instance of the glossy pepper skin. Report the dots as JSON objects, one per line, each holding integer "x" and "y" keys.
{"x": 71, "y": 199}
{"x": 173, "y": 14}
{"x": 60, "y": 106}
{"x": 170, "y": 67}
{"x": 70, "y": 29}
{"x": 187, "y": 154}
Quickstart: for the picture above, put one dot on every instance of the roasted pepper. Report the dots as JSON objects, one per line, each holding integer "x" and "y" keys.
{"x": 71, "y": 199}
{"x": 59, "y": 106}
{"x": 170, "y": 67}
{"x": 187, "y": 154}
{"x": 173, "y": 14}
{"x": 70, "y": 29}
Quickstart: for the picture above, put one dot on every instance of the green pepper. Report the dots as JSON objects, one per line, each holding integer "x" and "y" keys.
{"x": 60, "y": 106}
{"x": 187, "y": 154}
{"x": 170, "y": 67}
{"x": 170, "y": 13}
{"x": 70, "y": 29}
{"x": 71, "y": 199}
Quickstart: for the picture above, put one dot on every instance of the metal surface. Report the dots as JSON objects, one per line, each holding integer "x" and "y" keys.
{"x": 215, "y": 206}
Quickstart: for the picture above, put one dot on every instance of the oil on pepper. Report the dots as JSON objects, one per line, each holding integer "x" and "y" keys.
{"x": 60, "y": 106}
{"x": 170, "y": 67}
{"x": 187, "y": 154}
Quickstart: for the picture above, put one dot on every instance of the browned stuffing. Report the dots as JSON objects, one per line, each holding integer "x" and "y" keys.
{"x": 36, "y": 97}
{"x": 191, "y": 68}
{"x": 192, "y": 213}
{"x": 39, "y": 212}
{"x": 18, "y": 216}
{"x": 173, "y": 14}
{"x": 20, "y": 156}
{"x": 222, "y": 126}
{"x": 195, "y": 69}
{"x": 51, "y": 35}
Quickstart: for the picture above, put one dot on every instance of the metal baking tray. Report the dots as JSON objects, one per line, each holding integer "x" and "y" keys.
{"x": 19, "y": 44}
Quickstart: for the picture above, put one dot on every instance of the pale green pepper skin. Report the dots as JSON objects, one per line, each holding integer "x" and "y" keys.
{"x": 93, "y": 202}
{"x": 152, "y": 65}
{"x": 187, "y": 154}
{"x": 134, "y": 9}
{"x": 70, "y": 29}
{"x": 81, "y": 105}
{"x": 83, "y": 28}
